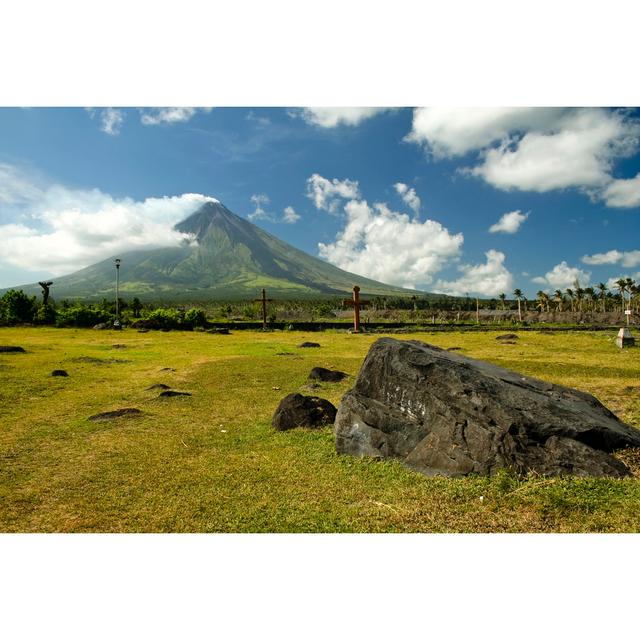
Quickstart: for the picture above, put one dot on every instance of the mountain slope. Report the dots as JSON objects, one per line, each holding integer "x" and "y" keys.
{"x": 231, "y": 259}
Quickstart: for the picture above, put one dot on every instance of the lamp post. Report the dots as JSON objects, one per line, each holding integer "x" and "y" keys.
{"x": 116, "y": 324}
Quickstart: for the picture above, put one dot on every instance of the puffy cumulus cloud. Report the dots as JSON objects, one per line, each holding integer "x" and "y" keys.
{"x": 509, "y": 222}
{"x": 290, "y": 216}
{"x": 259, "y": 200}
{"x": 329, "y": 117}
{"x": 391, "y": 247}
{"x": 70, "y": 229}
{"x": 328, "y": 194}
{"x": 409, "y": 196}
{"x": 169, "y": 115}
{"x": 448, "y": 132}
{"x": 624, "y": 194}
{"x": 562, "y": 276}
{"x": 536, "y": 149}
{"x": 578, "y": 152}
{"x": 488, "y": 279}
{"x": 625, "y": 258}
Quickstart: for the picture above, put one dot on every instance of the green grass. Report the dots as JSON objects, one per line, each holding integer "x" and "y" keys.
{"x": 212, "y": 463}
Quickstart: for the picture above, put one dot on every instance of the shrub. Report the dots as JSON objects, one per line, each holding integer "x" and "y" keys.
{"x": 16, "y": 307}
{"x": 45, "y": 314}
{"x": 80, "y": 315}
{"x": 196, "y": 317}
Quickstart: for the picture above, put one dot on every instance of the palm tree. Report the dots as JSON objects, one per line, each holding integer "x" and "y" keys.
{"x": 503, "y": 297}
{"x": 621, "y": 285}
{"x": 558, "y": 298}
{"x": 570, "y": 296}
{"x": 518, "y": 296}
{"x": 590, "y": 292}
{"x": 603, "y": 295}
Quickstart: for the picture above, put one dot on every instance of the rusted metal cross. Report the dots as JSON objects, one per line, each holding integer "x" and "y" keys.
{"x": 357, "y": 304}
{"x": 264, "y": 301}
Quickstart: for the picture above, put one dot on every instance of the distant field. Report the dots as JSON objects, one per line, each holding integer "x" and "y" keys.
{"x": 212, "y": 463}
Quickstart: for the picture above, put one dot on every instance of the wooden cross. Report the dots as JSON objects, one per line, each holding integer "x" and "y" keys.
{"x": 356, "y": 303}
{"x": 264, "y": 301}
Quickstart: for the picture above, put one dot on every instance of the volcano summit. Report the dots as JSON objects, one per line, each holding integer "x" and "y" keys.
{"x": 227, "y": 258}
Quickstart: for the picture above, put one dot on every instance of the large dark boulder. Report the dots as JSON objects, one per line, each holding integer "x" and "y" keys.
{"x": 443, "y": 413}
{"x": 296, "y": 410}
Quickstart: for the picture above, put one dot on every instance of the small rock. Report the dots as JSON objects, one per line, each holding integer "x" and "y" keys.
{"x": 275, "y": 388}
{"x": 158, "y": 386}
{"x": 308, "y": 345}
{"x": 326, "y": 375}
{"x": 59, "y": 372}
{"x": 118, "y": 413}
{"x": 10, "y": 349}
{"x": 172, "y": 394}
{"x": 507, "y": 336}
{"x": 220, "y": 331}
{"x": 296, "y": 410}
{"x": 167, "y": 369}
{"x": 101, "y": 326}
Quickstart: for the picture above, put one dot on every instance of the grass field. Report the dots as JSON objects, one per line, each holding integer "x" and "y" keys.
{"x": 212, "y": 463}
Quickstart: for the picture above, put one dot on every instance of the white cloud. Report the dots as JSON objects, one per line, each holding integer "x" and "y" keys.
{"x": 290, "y": 216}
{"x": 328, "y": 194}
{"x": 509, "y": 222}
{"x": 448, "y": 132}
{"x": 111, "y": 121}
{"x": 169, "y": 115}
{"x": 329, "y": 117}
{"x": 409, "y": 196}
{"x": 622, "y": 193}
{"x": 391, "y": 247}
{"x": 260, "y": 200}
{"x": 625, "y": 258}
{"x": 489, "y": 279}
{"x": 66, "y": 230}
{"x": 536, "y": 149}
{"x": 562, "y": 276}
{"x": 577, "y": 152}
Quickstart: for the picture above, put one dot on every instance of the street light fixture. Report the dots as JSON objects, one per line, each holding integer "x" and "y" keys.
{"x": 116, "y": 324}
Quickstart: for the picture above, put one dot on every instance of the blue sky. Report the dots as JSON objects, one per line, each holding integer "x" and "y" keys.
{"x": 474, "y": 201}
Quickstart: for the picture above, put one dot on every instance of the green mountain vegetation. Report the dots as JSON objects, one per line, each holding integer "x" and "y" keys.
{"x": 231, "y": 259}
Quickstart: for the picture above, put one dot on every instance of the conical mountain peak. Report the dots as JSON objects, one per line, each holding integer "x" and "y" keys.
{"x": 231, "y": 258}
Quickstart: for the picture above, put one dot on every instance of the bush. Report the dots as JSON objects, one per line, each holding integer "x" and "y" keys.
{"x": 80, "y": 315}
{"x": 45, "y": 314}
{"x": 16, "y": 307}
{"x": 196, "y": 317}
{"x": 161, "y": 319}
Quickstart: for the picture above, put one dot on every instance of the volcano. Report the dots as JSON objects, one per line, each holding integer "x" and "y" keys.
{"x": 228, "y": 258}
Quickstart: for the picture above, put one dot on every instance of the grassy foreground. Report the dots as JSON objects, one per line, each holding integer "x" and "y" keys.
{"x": 212, "y": 463}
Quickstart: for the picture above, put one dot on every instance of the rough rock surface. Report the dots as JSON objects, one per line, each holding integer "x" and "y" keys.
{"x": 11, "y": 349}
{"x": 59, "y": 373}
{"x": 296, "y": 410}
{"x": 446, "y": 414}
{"x": 326, "y": 375}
